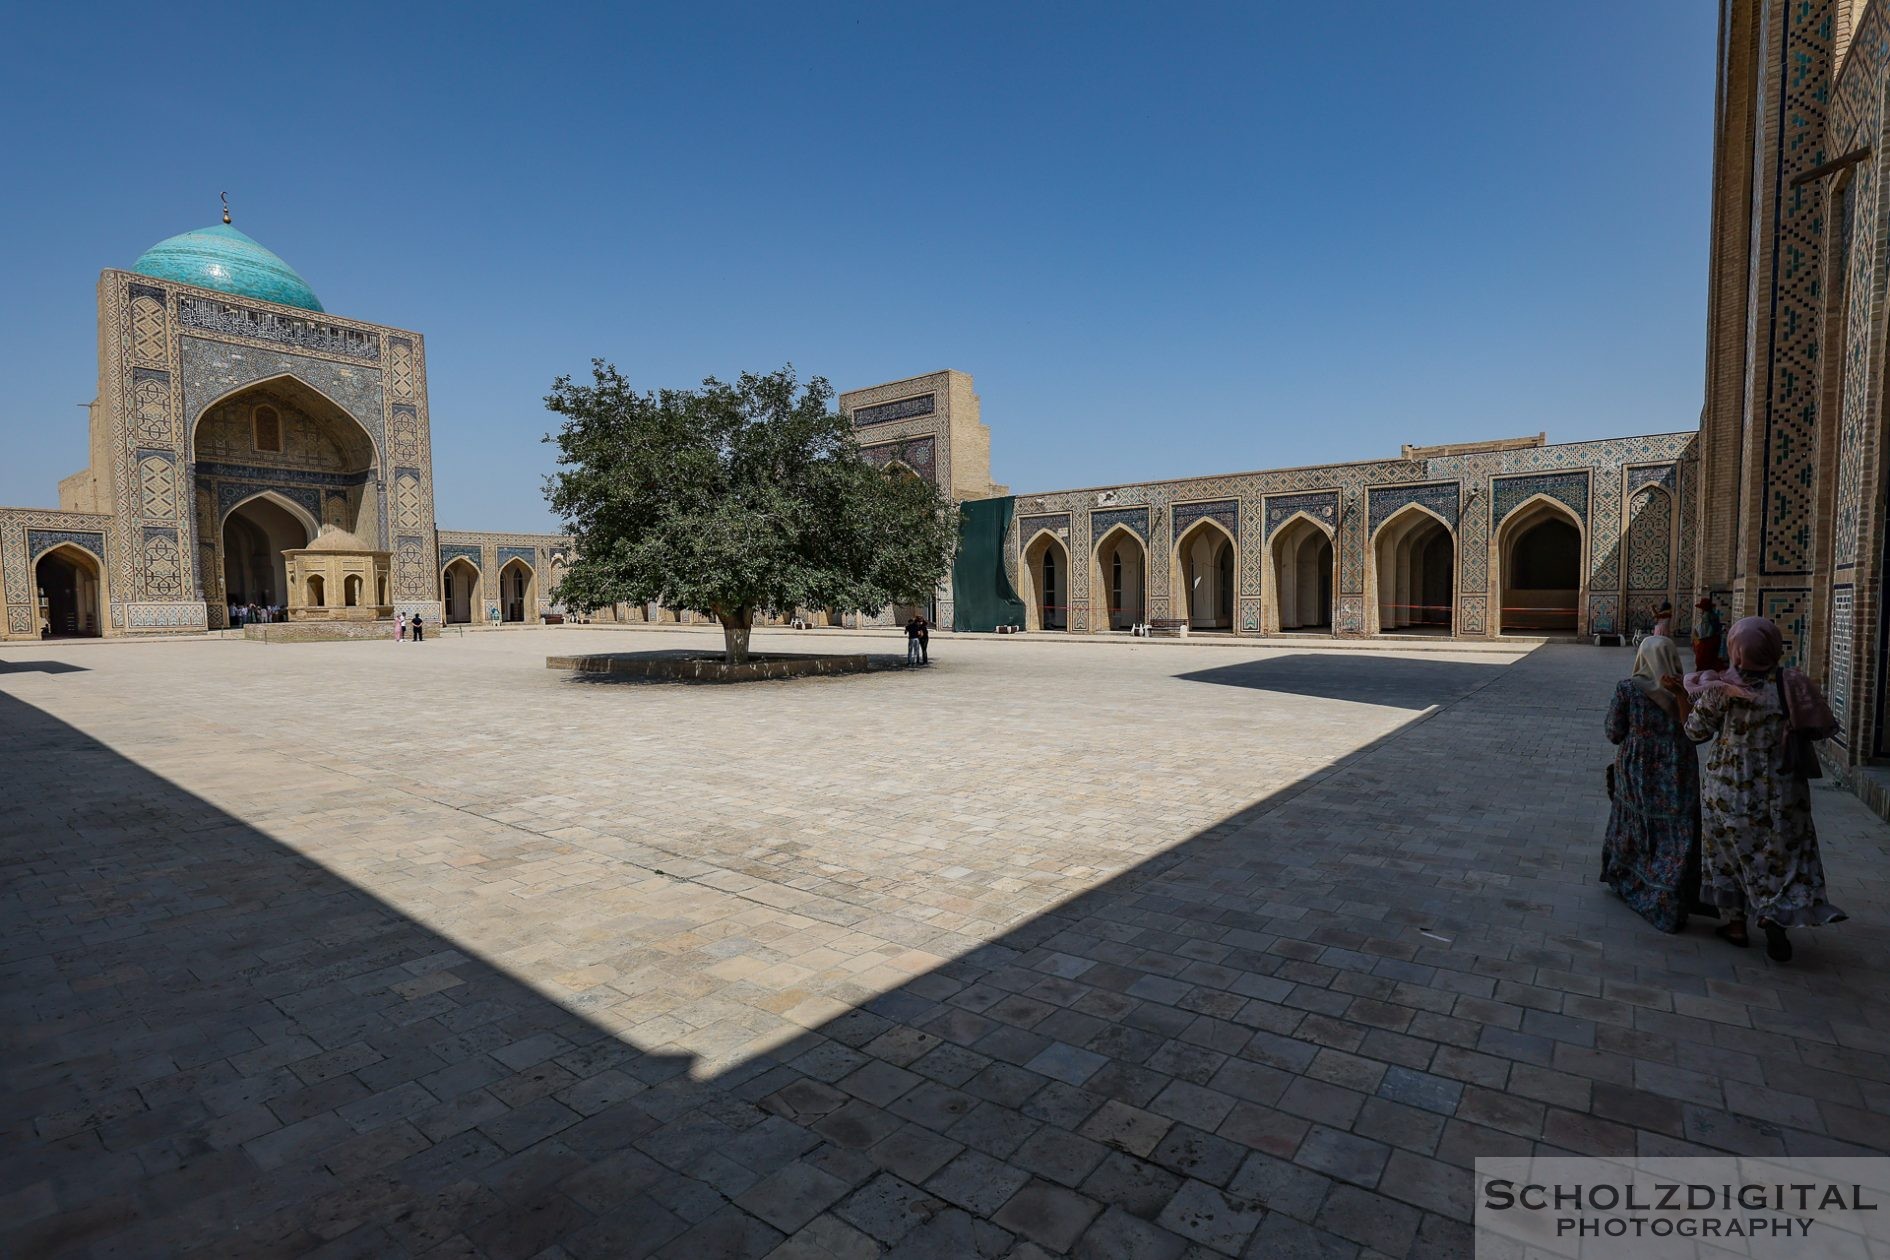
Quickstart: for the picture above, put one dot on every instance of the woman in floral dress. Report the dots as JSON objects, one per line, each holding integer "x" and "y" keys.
{"x": 1759, "y": 850}
{"x": 1651, "y": 854}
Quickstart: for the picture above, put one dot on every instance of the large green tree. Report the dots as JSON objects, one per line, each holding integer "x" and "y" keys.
{"x": 734, "y": 500}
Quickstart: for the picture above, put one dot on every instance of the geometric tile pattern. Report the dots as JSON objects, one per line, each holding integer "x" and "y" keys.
{"x": 1650, "y": 540}
{"x": 1787, "y": 376}
{"x": 1510, "y": 493}
{"x": 1323, "y": 508}
{"x": 1439, "y": 497}
{"x": 1057, "y": 523}
{"x": 1133, "y": 519}
{"x": 1225, "y": 512}
{"x": 1790, "y": 610}
{"x": 40, "y": 541}
{"x": 918, "y": 454}
{"x": 1838, "y": 678}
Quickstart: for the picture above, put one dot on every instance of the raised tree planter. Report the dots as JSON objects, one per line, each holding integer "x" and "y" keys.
{"x": 697, "y": 667}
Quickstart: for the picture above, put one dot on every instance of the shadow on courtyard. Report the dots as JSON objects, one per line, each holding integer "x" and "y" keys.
{"x": 215, "y": 1046}
{"x": 40, "y": 667}
{"x": 1394, "y": 682}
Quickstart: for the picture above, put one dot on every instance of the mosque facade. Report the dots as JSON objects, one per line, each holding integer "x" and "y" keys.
{"x": 236, "y": 420}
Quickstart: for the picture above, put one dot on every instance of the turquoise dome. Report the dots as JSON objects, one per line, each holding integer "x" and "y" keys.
{"x": 220, "y": 257}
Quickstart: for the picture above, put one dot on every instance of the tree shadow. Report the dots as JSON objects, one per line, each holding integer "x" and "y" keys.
{"x": 1393, "y": 682}
{"x": 40, "y": 667}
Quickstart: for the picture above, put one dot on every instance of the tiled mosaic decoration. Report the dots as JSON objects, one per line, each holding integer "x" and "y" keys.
{"x": 1509, "y": 493}
{"x": 1791, "y": 611}
{"x": 918, "y": 454}
{"x": 1838, "y": 681}
{"x": 1225, "y": 512}
{"x": 1322, "y": 507}
{"x": 1385, "y": 502}
{"x": 1787, "y": 373}
{"x": 1650, "y": 540}
{"x": 1133, "y": 519}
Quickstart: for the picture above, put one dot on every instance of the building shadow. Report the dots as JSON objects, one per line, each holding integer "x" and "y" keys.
{"x": 216, "y": 1047}
{"x": 1393, "y": 682}
{"x": 40, "y": 667}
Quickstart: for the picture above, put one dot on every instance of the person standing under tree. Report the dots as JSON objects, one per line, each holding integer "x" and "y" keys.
{"x": 925, "y": 640}
{"x": 912, "y": 641}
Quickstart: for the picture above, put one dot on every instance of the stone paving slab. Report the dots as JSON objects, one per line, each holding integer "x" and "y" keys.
{"x": 390, "y": 949}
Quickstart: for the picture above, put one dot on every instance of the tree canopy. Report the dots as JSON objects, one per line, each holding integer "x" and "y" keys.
{"x": 733, "y": 500}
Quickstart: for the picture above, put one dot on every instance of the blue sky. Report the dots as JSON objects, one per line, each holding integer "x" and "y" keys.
{"x": 1166, "y": 240}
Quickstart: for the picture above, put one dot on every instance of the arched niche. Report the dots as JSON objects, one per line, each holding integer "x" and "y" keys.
{"x": 1205, "y": 568}
{"x": 518, "y": 591}
{"x": 1303, "y": 569}
{"x": 1539, "y": 553}
{"x": 251, "y": 539}
{"x": 459, "y": 589}
{"x": 1414, "y": 573}
{"x": 1047, "y": 579}
{"x": 69, "y": 589}
{"x": 1118, "y": 581}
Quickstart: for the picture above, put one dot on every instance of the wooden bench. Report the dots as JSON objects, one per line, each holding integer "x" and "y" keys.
{"x": 1168, "y": 627}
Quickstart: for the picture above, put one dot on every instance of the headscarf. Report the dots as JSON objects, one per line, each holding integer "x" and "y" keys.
{"x": 1657, "y": 658}
{"x": 1754, "y": 646}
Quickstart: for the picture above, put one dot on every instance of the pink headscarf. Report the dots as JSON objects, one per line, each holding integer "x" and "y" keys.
{"x": 1755, "y": 645}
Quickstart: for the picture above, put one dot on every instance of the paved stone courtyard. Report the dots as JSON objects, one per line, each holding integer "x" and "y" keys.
{"x": 1054, "y": 948}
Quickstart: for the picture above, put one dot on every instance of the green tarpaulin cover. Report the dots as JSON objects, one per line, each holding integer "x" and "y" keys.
{"x": 982, "y": 596}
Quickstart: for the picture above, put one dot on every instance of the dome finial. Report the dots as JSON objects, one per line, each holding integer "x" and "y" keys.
{"x": 226, "y": 206}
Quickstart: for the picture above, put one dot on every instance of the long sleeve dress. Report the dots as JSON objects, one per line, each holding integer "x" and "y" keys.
{"x": 1651, "y": 853}
{"x": 1758, "y": 848}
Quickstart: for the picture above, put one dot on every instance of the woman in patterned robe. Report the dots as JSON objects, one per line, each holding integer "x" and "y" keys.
{"x": 1758, "y": 846}
{"x": 1651, "y": 853}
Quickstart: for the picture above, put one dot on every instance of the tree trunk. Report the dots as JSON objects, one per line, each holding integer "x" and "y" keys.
{"x": 736, "y": 627}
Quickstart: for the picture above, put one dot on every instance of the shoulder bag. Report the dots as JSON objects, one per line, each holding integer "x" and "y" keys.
{"x": 1797, "y": 753}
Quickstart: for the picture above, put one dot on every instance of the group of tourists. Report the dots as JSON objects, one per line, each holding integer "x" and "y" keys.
{"x": 918, "y": 641}
{"x": 1734, "y": 841}
{"x": 242, "y": 614}
{"x": 416, "y": 625}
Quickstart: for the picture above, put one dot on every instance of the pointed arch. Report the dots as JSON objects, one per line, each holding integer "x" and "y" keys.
{"x": 1118, "y": 579}
{"x": 1647, "y": 542}
{"x": 292, "y": 383}
{"x": 1047, "y": 579}
{"x": 461, "y": 593}
{"x": 1540, "y": 553}
{"x": 518, "y": 591}
{"x": 1204, "y": 568}
{"x": 1300, "y": 574}
{"x": 302, "y": 515}
{"x": 1413, "y": 559}
{"x": 69, "y": 591}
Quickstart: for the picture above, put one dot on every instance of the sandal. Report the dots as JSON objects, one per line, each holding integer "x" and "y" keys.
{"x": 1726, "y": 933}
{"x": 1778, "y": 946}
